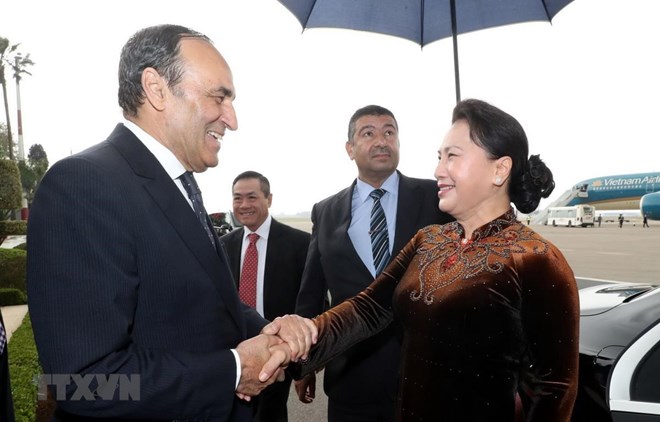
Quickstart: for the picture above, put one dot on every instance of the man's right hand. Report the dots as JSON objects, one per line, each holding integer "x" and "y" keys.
{"x": 256, "y": 353}
{"x": 306, "y": 388}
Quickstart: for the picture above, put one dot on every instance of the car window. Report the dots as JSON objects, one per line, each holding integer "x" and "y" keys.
{"x": 645, "y": 386}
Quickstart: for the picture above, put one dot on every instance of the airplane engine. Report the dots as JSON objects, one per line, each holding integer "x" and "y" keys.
{"x": 649, "y": 205}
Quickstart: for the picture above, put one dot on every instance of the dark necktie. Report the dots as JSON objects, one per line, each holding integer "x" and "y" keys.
{"x": 380, "y": 242}
{"x": 247, "y": 288}
{"x": 195, "y": 195}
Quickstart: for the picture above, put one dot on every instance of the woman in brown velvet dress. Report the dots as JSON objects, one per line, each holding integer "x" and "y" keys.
{"x": 489, "y": 308}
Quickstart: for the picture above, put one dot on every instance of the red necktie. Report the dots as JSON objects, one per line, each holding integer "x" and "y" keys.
{"x": 247, "y": 288}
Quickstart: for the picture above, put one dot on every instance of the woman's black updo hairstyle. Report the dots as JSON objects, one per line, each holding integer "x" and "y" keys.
{"x": 500, "y": 135}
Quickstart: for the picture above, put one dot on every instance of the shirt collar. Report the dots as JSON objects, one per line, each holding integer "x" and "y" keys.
{"x": 165, "y": 157}
{"x": 262, "y": 231}
{"x": 491, "y": 228}
{"x": 390, "y": 185}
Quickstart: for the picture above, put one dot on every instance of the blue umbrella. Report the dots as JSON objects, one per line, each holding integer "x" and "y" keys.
{"x": 422, "y": 21}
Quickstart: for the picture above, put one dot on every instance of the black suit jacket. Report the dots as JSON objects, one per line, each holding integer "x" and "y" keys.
{"x": 367, "y": 373}
{"x": 285, "y": 261}
{"x": 122, "y": 279}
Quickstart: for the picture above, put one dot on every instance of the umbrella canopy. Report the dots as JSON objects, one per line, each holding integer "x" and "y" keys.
{"x": 422, "y": 21}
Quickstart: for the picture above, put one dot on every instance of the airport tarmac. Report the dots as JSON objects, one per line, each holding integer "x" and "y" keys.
{"x": 628, "y": 254}
{"x": 598, "y": 254}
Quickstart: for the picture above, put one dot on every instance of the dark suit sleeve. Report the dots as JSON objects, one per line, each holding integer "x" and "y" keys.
{"x": 313, "y": 288}
{"x": 85, "y": 294}
{"x": 255, "y": 322}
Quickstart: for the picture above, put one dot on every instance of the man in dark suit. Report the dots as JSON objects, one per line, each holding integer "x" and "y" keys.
{"x": 132, "y": 301}
{"x": 277, "y": 277}
{"x": 361, "y": 384}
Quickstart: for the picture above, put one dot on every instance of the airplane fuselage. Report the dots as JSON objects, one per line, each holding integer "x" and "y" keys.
{"x": 620, "y": 192}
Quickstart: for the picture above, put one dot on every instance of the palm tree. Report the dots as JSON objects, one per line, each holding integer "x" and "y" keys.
{"x": 5, "y": 51}
{"x": 18, "y": 64}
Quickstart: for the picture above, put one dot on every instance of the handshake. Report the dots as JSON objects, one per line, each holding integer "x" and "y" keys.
{"x": 265, "y": 356}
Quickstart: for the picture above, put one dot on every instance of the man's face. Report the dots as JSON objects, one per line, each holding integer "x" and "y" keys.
{"x": 375, "y": 147}
{"x": 200, "y": 107}
{"x": 250, "y": 204}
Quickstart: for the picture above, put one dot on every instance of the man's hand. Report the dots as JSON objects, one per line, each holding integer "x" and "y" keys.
{"x": 262, "y": 361}
{"x": 306, "y": 388}
{"x": 299, "y": 334}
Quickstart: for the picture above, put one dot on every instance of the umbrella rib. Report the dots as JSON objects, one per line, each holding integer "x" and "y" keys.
{"x": 309, "y": 14}
{"x": 545, "y": 7}
{"x": 454, "y": 36}
{"x": 421, "y": 25}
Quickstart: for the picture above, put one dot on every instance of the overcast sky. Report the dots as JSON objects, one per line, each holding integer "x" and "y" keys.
{"x": 586, "y": 88}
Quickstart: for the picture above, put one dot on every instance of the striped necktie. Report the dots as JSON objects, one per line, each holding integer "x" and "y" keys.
{"x": 3, "y": 338}
{"x": 380, "y": 242}
{"x": 195, "y": 195}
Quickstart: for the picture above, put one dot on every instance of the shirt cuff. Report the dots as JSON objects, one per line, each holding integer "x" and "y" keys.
{"x": 238, "y": 368}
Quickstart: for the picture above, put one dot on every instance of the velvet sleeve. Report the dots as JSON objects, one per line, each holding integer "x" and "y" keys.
{"x": 358, "y": 318}
{"x": 550, "y": 317}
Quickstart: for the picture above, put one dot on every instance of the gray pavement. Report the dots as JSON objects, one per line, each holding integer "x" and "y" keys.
{"x": 13, "y": 317}
{"x": 600, "y": 254}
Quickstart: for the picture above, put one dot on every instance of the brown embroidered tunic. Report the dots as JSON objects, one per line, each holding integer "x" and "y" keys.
{"x": 490, "y": 325}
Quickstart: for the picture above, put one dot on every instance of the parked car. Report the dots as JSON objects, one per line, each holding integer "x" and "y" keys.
{"x": 619, "y": 376}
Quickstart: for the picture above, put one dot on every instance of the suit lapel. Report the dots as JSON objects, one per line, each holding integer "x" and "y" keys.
{"x": 271, "y": 267}
{"x": 235, "y": 244}
{"x": 407, "y": 213}
{"x": 343, "y": 211}
{"x": 167, "y": 196}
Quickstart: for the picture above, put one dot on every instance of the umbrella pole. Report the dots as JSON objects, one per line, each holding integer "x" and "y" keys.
{"x": 457, "y": 79}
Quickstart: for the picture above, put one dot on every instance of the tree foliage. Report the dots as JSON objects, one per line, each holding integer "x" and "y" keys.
{"x": 33, "y": 170}
{"x": 10, "y": 186}
{"x": 10, "y": 198}
{"x": 4, "y": 142}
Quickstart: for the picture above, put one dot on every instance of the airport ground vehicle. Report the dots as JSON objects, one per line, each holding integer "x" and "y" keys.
{"x": 573, "y": 216}
{"x": 619, "y": 354}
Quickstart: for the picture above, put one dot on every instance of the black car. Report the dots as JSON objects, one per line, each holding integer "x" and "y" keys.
{"x": 619, "y": 376}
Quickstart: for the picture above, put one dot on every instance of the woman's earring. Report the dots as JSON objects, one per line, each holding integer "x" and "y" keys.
{"x": 498, "y": 181}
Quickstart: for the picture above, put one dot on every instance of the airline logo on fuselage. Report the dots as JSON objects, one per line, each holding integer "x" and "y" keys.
{"x": 625, "y": 181}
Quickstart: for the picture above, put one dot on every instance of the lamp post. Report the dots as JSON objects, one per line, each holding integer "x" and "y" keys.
{"x": 19, "y": 121}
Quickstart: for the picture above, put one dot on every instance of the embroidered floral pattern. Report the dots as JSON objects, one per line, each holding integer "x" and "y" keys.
{"x": 446, "y": 256}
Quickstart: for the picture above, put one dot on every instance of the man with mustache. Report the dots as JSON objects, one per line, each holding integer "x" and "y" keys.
{"x": 126, "y": 279}
{"x": 355, "y": 234}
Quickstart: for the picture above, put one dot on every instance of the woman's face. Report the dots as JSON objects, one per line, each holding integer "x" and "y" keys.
{"x": 467, "y": 177}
